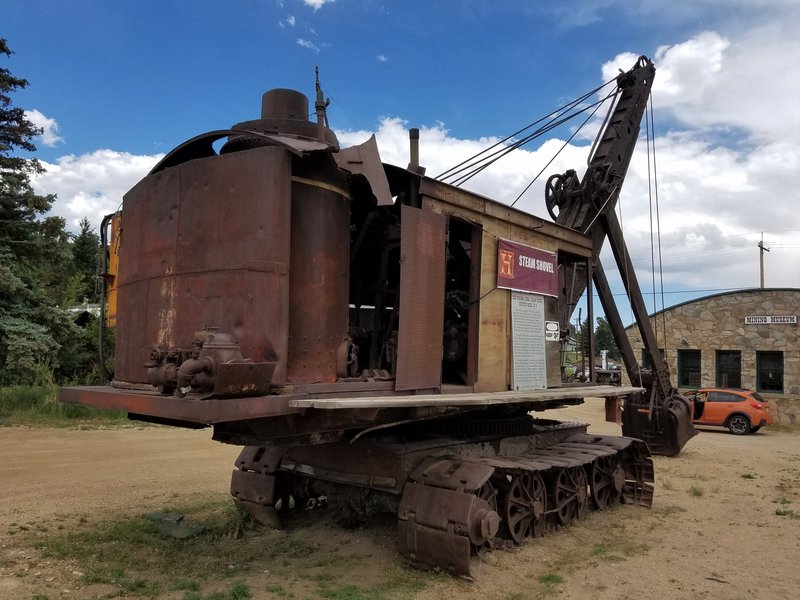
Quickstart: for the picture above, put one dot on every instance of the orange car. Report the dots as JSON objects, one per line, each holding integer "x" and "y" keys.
{"x": 741, "y": 411}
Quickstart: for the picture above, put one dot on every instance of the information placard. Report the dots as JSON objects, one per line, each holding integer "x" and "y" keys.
{"x": 529, "y": 364}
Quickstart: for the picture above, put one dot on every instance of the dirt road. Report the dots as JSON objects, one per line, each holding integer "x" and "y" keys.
{"x": 725, "y": 522}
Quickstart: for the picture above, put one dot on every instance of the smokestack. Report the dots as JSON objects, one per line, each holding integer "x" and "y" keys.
{"x": 413, "y": 136}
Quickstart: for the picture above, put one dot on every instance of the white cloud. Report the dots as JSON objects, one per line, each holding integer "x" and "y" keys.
{"x": 48, "y": 126}
{"x": 381, "y": 58}
{"x": 719, "y": 86}
{"x": 289, "y": 21}
{"x": 316, "y": 4}
{"x": 91, "y": 185}
{"x": 307, "y": 44}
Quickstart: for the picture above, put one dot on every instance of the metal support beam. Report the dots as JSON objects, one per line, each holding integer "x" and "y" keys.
{"x": 612, "y": 229}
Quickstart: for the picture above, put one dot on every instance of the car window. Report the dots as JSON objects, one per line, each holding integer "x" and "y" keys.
{"x": 723, "y": 397}
{"x": 757, "y": 396}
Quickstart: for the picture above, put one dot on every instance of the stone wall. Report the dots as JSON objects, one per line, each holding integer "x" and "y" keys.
{"x": 718, "y": 323}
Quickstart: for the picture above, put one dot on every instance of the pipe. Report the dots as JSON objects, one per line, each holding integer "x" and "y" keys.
{"x": 188, "y": 369}
{"x": 103, "y": 284}
{"x": 413, "y": 136}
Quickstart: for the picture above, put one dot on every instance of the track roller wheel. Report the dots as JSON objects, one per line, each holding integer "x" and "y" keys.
{"x": 570, "y": 494}
{"x": 606, "y": 481}
{"x": 525, "y": 506}
{"x": 489, "y": 493}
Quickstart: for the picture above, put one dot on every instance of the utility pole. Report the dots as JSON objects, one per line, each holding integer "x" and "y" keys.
{"x": 762, "y": 249}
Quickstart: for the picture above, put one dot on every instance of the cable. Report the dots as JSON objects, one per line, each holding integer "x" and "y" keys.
{"x": 658, "y": 223}
{"x": 455, "y": 169}
{"x": 564, "y": 145}
{"x": 476, "y": 163}
{"x": 488, "y": 161}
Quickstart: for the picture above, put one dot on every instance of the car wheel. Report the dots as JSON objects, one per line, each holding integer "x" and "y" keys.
{"x": 738, "y": 424}
{"x": 755, "y": 429}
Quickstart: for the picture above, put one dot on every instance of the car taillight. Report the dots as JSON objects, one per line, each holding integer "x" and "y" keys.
{"x": 757, "y": 405}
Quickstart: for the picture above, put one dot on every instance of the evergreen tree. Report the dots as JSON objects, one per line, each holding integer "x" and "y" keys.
{"x": 35, "y": 258}
{"x": 85, "y": 253}
{"x": 583, "y": 337}
{"x": 604, "y": 339}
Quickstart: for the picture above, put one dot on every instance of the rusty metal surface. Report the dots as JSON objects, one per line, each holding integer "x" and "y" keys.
{"x": 320, "y": 274}
{"x": 365, "y": 160}
{"x": 201, "y": 248}
{"x": 439, "y": 526}
{"x": 362, "y": 464}
{"x": 283, "y": 114}
{"x": 253, "y": 483}
{"x": 422, "y": 282}
{"x": 243, "y": 378}
{"x": 193, "y": 410}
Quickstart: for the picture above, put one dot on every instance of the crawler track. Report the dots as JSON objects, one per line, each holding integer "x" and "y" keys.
{"x": 453, "y": 497}
{"x": 531, "y": 494}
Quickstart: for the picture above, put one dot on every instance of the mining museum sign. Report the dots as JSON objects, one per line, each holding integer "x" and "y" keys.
{"x": 771, "y": 320}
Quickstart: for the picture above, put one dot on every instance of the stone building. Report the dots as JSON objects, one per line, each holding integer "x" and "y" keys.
{"x": 747, "y": 338}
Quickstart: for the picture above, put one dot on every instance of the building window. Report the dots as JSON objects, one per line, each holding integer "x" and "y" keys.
{"x": 769, "y": 372}
{"x": 689, "y": 368}
{"x": 729, "y": 368}
{"x": 646, "y": 362}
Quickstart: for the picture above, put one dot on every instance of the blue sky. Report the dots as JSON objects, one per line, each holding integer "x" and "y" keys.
{"x": 118, "y": 83}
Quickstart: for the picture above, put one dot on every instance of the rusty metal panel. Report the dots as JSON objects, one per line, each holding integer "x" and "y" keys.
{"x": 206, "y": 244}
{"x": 365, "y": 160}
{"x": 320, "y": 275}
{"x": 422, "y": 279}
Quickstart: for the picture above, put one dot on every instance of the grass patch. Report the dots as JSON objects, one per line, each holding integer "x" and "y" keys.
{"x": 132, "y": 554}
{"x": 787, "y": 512}
{"x": 618, "y": 549}
{"x": 669, "y": 510}
{"x": 548, "y": 584}
{"x": 748, "y": 476}
{"x": 696, "y": 491}
{"x": 38, "y": 406}
{"x": 239, "y": 591}
{"x": 401, "y": 582}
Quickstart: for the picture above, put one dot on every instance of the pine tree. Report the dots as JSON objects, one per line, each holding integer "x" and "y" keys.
{"x": 35, "y": 257}
{"x": 604, "y": 339}
{"x": 85, "y": 253}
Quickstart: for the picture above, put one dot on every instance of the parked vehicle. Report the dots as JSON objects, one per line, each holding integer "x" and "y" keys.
{"x": 740, "y": 411}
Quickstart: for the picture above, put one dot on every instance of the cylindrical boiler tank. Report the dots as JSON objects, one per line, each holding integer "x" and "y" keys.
{"x": 208, "y": 243}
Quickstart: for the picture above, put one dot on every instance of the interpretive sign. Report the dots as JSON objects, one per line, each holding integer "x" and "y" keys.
{"x": 529, "y": 364}
{"x": 526, "y": 269}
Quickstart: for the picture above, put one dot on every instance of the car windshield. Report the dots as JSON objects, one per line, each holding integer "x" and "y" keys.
{"x": 758, "y": 397}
